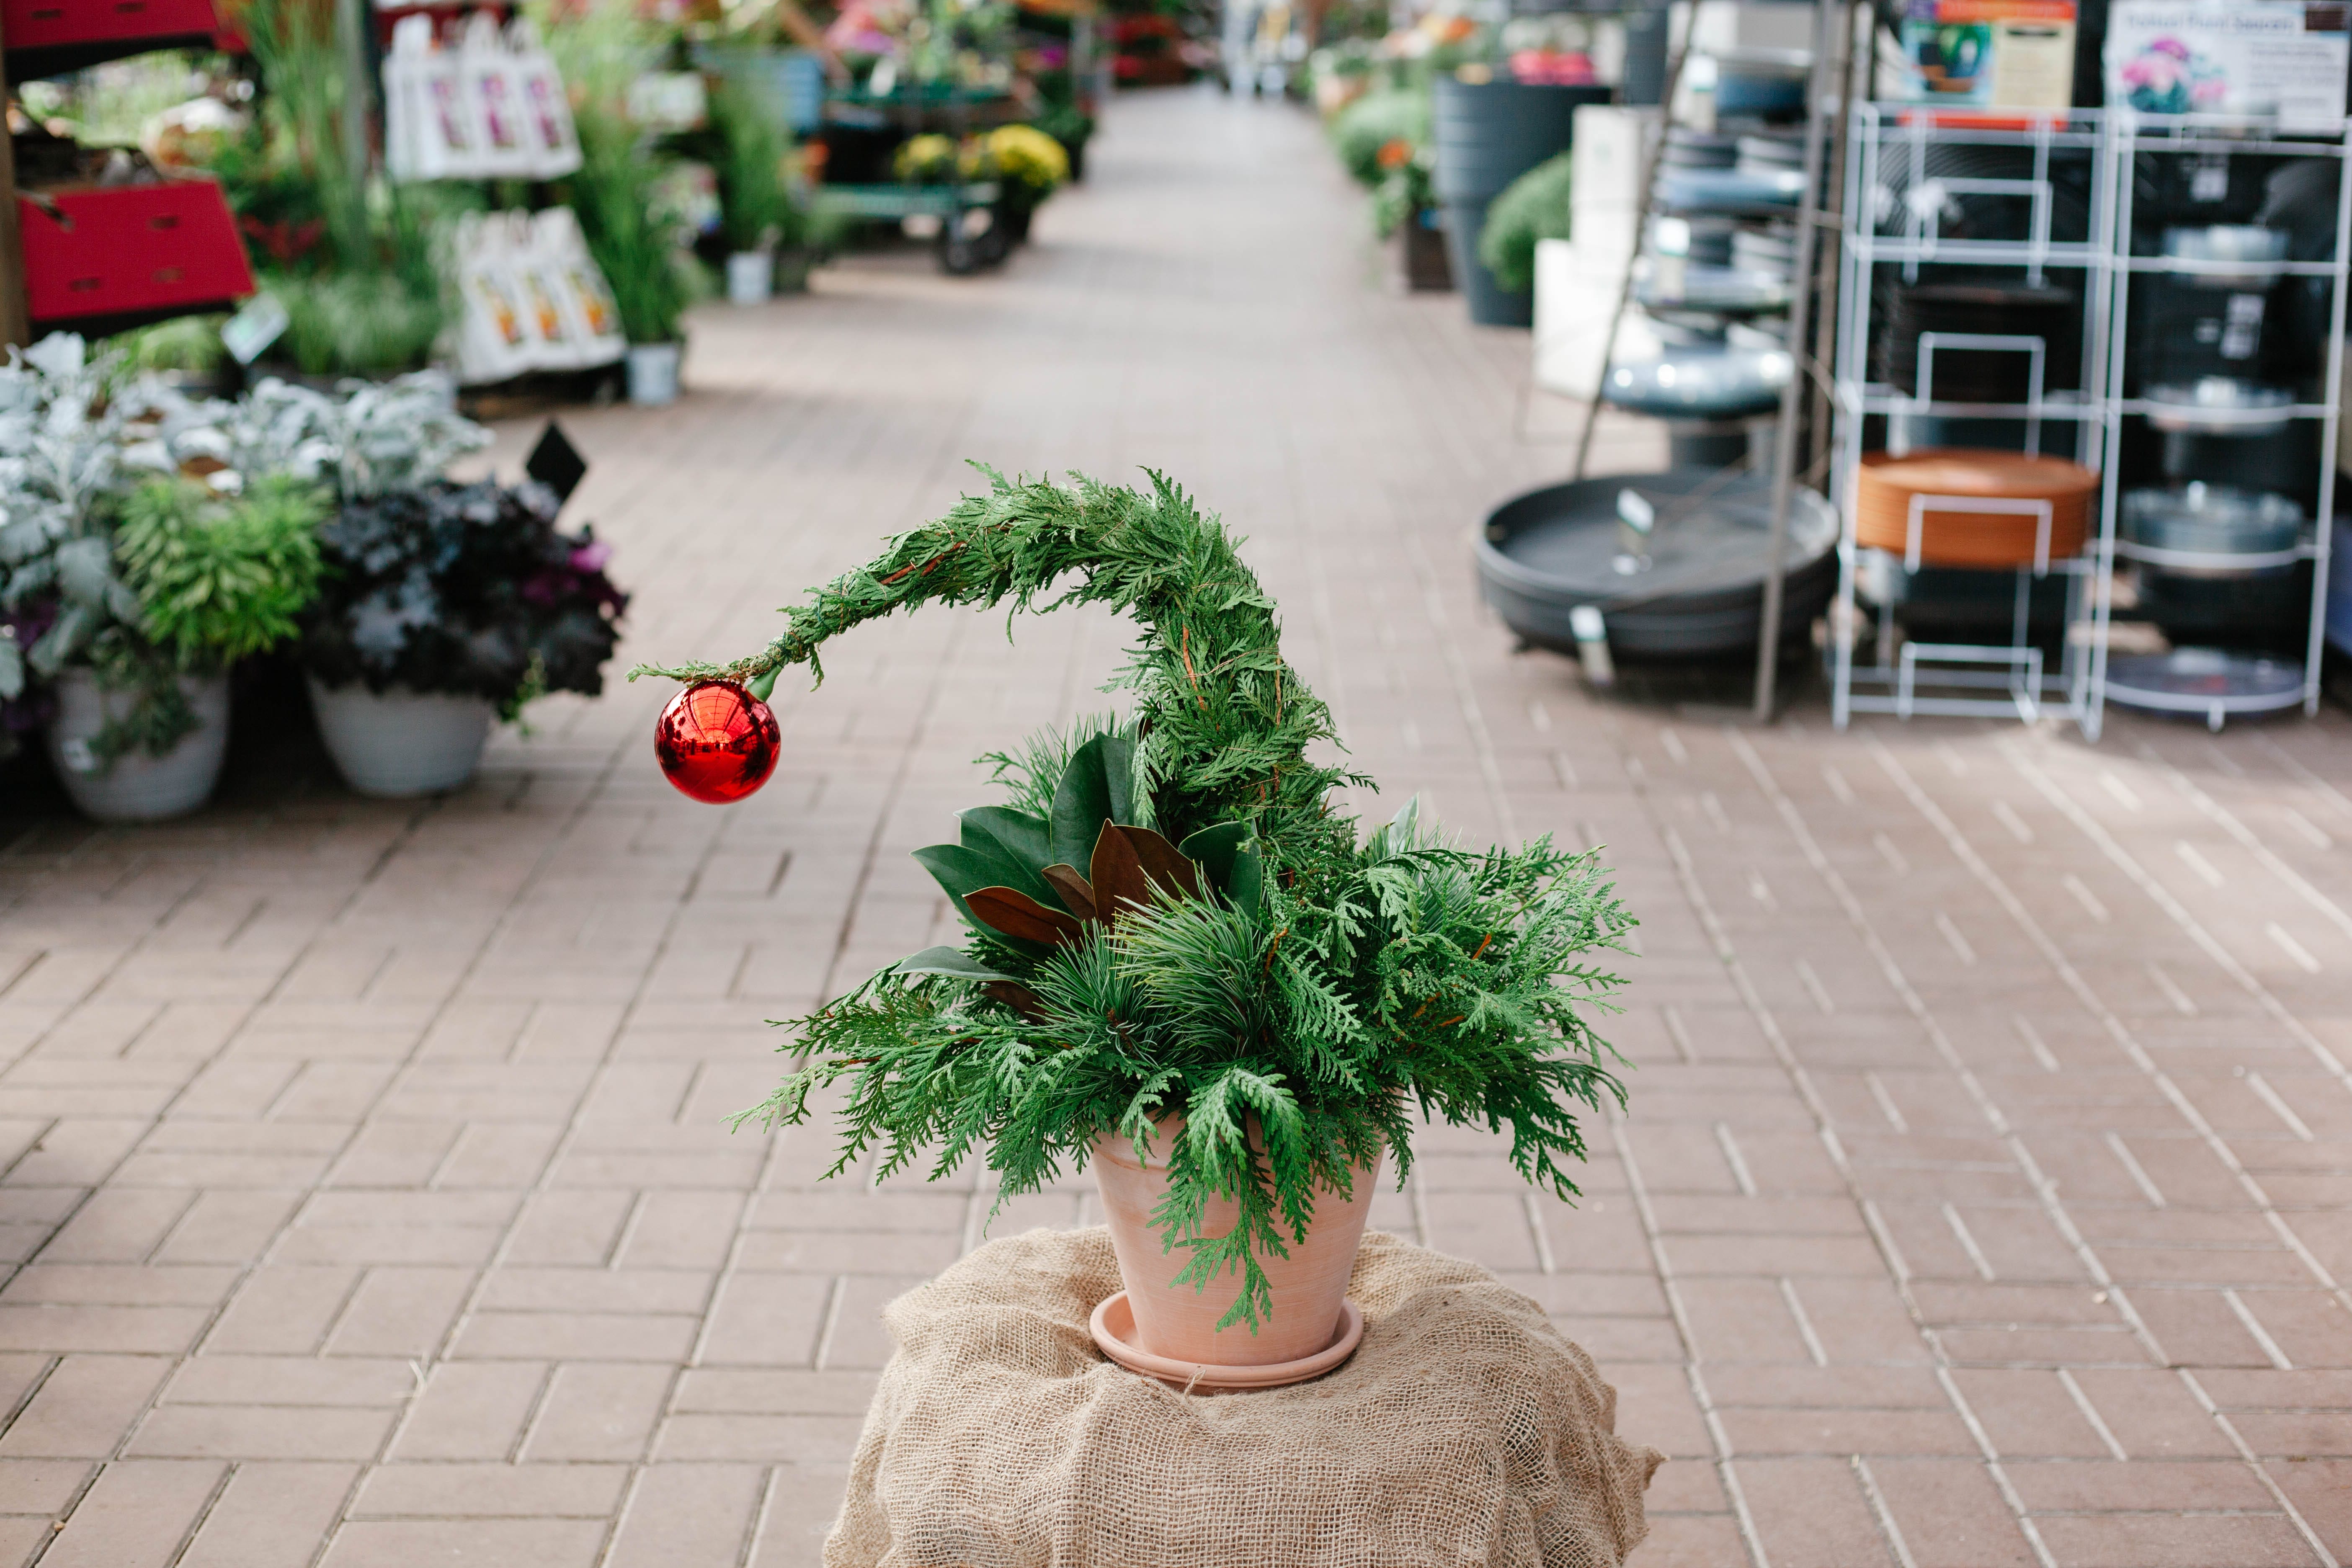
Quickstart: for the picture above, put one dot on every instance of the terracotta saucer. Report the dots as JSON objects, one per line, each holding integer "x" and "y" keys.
{"x": 1114, "y": 1330}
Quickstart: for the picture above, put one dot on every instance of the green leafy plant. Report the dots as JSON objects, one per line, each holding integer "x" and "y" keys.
{"x": 220, "y": 578}
{"x": 354, "y": 323}
{"x": 1359, "y": 131}
{"x": 1532, "y": 208}
{"x": 1406, "y": 189}
{"x": 635, "y": 248}
{"x": 1170, "y": 917}
{"x": 755, "y": 202}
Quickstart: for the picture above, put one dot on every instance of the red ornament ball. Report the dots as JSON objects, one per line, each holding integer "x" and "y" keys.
{"x": 717, "y": 742}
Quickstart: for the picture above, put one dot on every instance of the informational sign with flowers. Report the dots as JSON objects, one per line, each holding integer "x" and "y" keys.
{"x": 2286, "y": 58}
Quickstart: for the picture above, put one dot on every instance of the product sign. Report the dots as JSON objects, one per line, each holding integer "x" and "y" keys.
{"x": 1989, "y": 54}
{"x": 2286, "y": 58}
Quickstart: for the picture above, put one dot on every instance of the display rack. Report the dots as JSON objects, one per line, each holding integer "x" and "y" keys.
{"x": 1882, "y": 230}
{"x": 1981, "y": 679}
{"x": 2132, "y": 138}
{"x": 104, "y": 259}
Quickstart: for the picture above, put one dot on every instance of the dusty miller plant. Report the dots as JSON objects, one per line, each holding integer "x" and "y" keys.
{"x": 1169, "y": 918}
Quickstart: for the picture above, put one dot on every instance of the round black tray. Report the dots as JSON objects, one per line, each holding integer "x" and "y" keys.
{"x": 1550, "y": 551}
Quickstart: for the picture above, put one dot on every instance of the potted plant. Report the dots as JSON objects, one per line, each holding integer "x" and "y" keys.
{"x": 142, "y": 725}
{"x": 127, "y": 605}
{"x": 1183, "y": 964}
{"x": 755, "y": 203}
{"x": 1403, "y": 206}
{"x": 1533, "y": 207}
{"x": 445, "y": 606}
{"x": 1030, "y": 166}
{"x": 353, "y": 266}
{"x": 636, "y": 245}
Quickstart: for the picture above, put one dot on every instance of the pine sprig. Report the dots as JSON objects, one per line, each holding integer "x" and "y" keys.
{"x": 1298, "y": 1031}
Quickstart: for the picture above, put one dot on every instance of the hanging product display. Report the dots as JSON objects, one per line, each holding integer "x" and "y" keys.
{"x": 1989, "y": 54}
{"x": 492, "y": 107}
{"x": 532, "y": 298}
{"x": 2228, "y": 57}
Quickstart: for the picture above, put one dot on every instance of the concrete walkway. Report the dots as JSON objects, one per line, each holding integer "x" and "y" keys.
{"x": 368, "y": 1203}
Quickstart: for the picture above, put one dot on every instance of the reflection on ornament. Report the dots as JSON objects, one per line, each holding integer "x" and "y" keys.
{"x": 717, "y": 742}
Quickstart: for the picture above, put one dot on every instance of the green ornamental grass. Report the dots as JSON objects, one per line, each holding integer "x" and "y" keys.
{"x": 1169, "y": 914}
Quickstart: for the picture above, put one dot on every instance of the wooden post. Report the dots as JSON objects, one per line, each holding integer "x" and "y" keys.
{"x": 15, "y": 329}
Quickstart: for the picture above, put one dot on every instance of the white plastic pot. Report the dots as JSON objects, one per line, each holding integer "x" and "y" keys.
{"x": 402, "y": 742}
{"x": 751, "y": 277}
{"x": 137, "y": 787}
{"x": 653, "y": 373}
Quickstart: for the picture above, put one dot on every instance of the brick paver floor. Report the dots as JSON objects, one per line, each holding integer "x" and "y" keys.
{"x": 368, "y": 1203}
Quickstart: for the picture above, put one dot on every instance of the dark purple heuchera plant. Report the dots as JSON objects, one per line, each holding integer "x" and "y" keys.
{"x": 467, "y": 589}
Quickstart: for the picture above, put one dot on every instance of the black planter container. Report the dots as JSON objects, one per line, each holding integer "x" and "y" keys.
{"x": 1488, "y": 134}
{"x": 1421, "y": 248}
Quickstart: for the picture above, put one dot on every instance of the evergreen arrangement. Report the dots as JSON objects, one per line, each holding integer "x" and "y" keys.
{"x": 1170, "y": 917}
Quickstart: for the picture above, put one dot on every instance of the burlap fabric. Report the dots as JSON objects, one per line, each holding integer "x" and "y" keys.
{"x": 1464, "y": 1430}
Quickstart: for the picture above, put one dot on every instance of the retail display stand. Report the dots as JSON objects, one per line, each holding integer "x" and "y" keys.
{"x": 114, "y": 256}
{"x": 1919, "y": 162}
{"x": 1911, "y": 170}
{"x": 2215, "y": 685}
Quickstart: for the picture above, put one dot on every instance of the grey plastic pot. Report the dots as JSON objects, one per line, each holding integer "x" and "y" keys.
{"x": 402, "y": 742}
{"x": 751, "y": 277}
{"x": 1488, "y": 134}
{"x": 653, "y": 373}
{"x": 137, "y": 787}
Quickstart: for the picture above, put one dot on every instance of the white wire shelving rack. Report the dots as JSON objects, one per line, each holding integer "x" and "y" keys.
{"x": 2129, "y": 136}
{"x": 1886, "y": 228}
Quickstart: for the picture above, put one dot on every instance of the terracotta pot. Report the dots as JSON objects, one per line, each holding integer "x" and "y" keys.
{"x": 1180, "y": 1322}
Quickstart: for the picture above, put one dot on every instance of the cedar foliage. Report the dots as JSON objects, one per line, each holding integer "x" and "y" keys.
{"x": 1296, "y": 994}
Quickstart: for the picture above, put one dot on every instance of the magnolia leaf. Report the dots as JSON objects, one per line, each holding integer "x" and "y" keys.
{"x": 11, "y": 669}
{"x": 1228, "y": 853}
{"x": 1245, "y": 885}
{"x": 961, "y": 872}
{"x": 948, "y": 961}
{"x": 1019, "y": 841}
{"x": 1163, "y": 865}
{"x": 1018, "y": 997}
{"x": 960, "y": 869}
{"x": 1077, "y": 894}
{"x": 1017, "y": 914}
{"x": 1118, "y": 878}
{"x": 1097, "y": 786}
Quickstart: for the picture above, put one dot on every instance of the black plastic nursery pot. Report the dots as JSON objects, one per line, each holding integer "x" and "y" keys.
{"x": 1488, "y": 134}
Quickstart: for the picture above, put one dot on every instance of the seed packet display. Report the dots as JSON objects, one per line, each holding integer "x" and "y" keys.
{"x": 582, "y": 292}
{"x": 547, "y": 112}
{"x": 429, "y": 131}
{"x": 485, "y": 73}
{"x": 495, "y": 339}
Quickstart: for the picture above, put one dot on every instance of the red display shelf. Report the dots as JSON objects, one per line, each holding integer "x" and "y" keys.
{"x": 135, "y": 251}
{"x": 46, "y": 37}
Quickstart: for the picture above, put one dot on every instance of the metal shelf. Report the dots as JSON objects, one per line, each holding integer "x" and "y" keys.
{"x": 2093, "y": 415}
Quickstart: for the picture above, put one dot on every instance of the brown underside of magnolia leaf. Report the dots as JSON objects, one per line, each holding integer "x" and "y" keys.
{"x": 1075, "y": 890}
{"x": 1117, "y": 875}
{"x": 1018, "y": 997}
{"x": 1163, "y": 863}
{"x": 1015, "y": 913}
